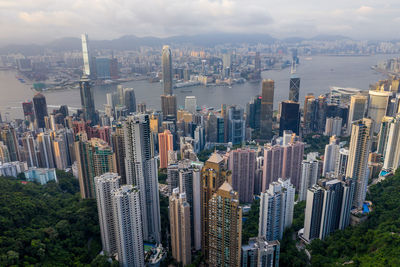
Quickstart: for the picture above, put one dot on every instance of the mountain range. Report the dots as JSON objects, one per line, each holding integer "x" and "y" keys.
{"x": 129, "y": 42}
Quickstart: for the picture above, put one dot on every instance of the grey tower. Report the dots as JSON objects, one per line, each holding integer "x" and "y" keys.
{"x": 87, "y": 100}
{"x": 294, "y": 88}
{"x": 167, "y": 69}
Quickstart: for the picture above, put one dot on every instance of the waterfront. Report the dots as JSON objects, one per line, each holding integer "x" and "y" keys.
{"x": 316, "y": 76}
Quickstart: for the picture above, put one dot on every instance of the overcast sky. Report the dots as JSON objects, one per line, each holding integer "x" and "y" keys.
{"x": 40, "y": 21}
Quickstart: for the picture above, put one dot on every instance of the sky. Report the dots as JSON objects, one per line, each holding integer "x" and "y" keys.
{"x": 41, "y": 21}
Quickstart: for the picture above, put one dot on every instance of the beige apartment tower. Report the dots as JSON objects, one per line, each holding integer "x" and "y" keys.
{"x": 179, "y": 217}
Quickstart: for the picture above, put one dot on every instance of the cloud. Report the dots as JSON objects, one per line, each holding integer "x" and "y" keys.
{"x": 43, "y": 20}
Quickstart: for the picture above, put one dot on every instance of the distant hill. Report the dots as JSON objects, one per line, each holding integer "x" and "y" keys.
{"x": 129, "y": 42}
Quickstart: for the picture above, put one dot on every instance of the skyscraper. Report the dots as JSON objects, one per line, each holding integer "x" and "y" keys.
{"x": 377, "y": 106}
{"x": 309, "y": 177}
{"x": 39, "y": 103}
{"x": 392, "y": 151}
{"x": 357, "y": 165}
{"x": 118, "y": 144}
{"x": 330, "y": 156}
{"x": 333, "y": 126}
{"x": 289, "y": 117}
{"x": 294, "y": 88}
{"x": 383, "y": 135}
{"x": 45, "y": 146}
{"x": 179, "y": 216}
{"x": 260, "y": 252}
{"x": 253, "y": 110}
{"x": 213, "y": 176}
{"x": 86, "y": 56}
{"x": 341, "y": 163}
{"x": 30, "y": 150}
{"x": 105, "y": 184}
{"x": 272, "y": 168}
{"x": 167, "y": 69}
{"x": 276, "y": 210}
{"x": 267, "y": 108}
{"x": 225, "y": 227}
{"x": 328, "y": 208}
{"x": 242, "y": 164}
{"x": 29, "y": 113}
{"x": 191, "y": 104}
{"x": 129, "y": 99}
{"x": 141, "y": 170}
{"x": 128, "y": 226}
{"x": 165, "y": 144}
{"x": 87, "y": 100}
{"x": 358, "y": 105}
{"x": 291, "y": 162}
{"x": 169, "y": 106}
{"x": 95, "y": 157}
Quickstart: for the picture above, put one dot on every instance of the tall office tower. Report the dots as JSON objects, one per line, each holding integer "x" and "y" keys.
{"x": 272, "y": 168}
{"x": 29, "y": 113}
{"x": 392, "y": 151}
{"x": 289, "y": 117}
{"x": 4, "y": 154}
{"x": 39, "y": 103}
{"x": 87, "y": 101}
{"x": 242, "y": 164}
{"x": 358, "y": 106}
{"x": 309, "y": 118}
{"x": 330, "y": 156}
{"x": 333, "y": 126}
{"x": 141, "y": 170}
{"x": 95, "y": 157}
{"x": 253, "y": 110}
{"x": 309, "y": 177}
{"x": 383, "y": 135}
{"x": 276, "y": 209}
{"x": 291, "y": 162}
{"x": 129, "y": 99}
{"x": 172, "y": 177}
{"x": 60, "y": 152}
{"x": 328, "y": 208}
{"x": 257, "y": 66}
{"x": 357, "y": 164}
{"x": 267, "y": 108}
{"x": 294, "y": 88}
{"x": 236, "y": 125}
{"x": 87, "y": 61}
{"x": 118, "y": 144}
{"x": 141, "y": 107}
{"x": 179, "y": 216}
{"x": 191, "y": 104}
{"x": 211, "y": 127}
{"x": 165, "y": 144}
{"x": 168, "y": 106}
{"x": 30, "y": 150}
{"x": 341, "y": 163}
{"x": 377, "y": 106}
{"x": 167, "y": 69}
{"x": 224, "y": 227}
{"x": 105, "y": 184}
{"x": 45, "y": 145}
{"x": 258, "y": 175}
{"x": 213, "y": 176}
{"x": 128, "y": 225}
{"x": 260, "y": 252}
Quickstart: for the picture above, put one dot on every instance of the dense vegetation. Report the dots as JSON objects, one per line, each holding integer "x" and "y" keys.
{"x": 315, "y": 143}
{"x": 289, "y": 254}
{"x": 250, "y": 226}
{"x": 375, "y": 242}
{"x": 48, "y": 225}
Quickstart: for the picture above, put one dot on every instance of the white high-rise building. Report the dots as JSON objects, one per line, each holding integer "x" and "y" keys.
{"x": 392, "y": 151}
{"x": 191, "y": 104}
{"x": 141, "y": 170}
{"x": 45, "y": 145}
{"x": 377, "y": 106}
{"x": 309, "y": 177}
{"x": 330, "y": 156}
{"x": 128, "y": 226}
{"x": 358, "y": 105}
{"x": 333, "y": 126}
{"x": 276, "y": 209}
{"x": 357, "y": 164}
{"x": 341, "y": 163}
{"x": 105, "y": 184}
{"x": 86, "y": 55}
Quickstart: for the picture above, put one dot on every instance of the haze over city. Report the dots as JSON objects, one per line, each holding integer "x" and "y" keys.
{"x": 44, "y": 20}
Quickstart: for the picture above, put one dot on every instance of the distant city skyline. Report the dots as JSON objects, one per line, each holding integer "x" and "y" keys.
{"x": 43, "y": 20}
